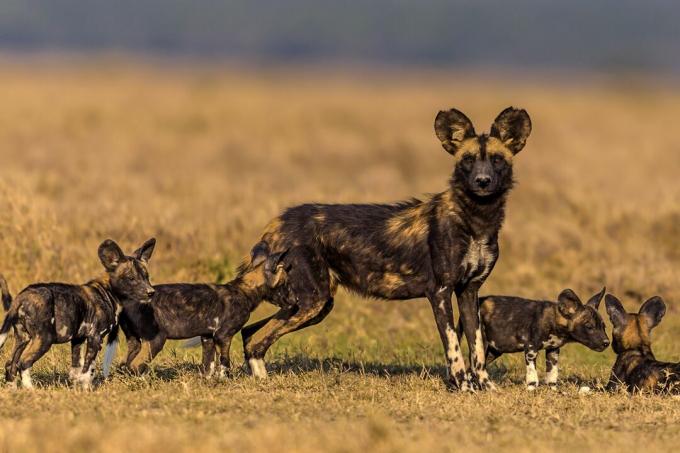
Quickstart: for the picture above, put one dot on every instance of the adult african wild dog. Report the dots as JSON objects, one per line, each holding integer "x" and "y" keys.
{"x": 212, "y": 312}
{"x": 514, "y": 324}
{"x": 44, "y": 314}
{"x": 445, "y": 244}
{"x": 636, "y": 368}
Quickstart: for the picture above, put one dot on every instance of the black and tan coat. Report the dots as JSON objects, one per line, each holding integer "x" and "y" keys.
{"x": 442, "y": 245}
{"x": 514, "y": 324}
{"x": 44, "y": 314}
{"x": 636, "y": 369}
{"x": 212, "y": 312}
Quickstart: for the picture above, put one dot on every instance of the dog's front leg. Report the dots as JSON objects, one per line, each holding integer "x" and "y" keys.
{"x": 94, "y": 344}
{"x": 440, "y": 300}
{"x": 77, "y": 360}
{"x": 530, "y": 355}
{"x": 468, "y": 304}
{"x": 552, "y": 357}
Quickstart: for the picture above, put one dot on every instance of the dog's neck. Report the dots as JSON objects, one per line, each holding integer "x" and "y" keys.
{"x": 107, "y": 296}
{"x": 482, "y": 215}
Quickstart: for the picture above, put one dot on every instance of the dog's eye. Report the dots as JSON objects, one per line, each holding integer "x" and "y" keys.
{"x": 497, "y": 160}
{"x": 590, "y": 326}
{"x": 468, "y": 161}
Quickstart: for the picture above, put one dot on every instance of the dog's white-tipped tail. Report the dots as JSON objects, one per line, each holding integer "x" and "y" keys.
{"x": 191, "y": 343}
{"x": 109, "y": 355}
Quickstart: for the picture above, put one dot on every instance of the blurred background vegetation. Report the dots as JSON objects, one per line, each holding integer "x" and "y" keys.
{"x": 607, "y": 35}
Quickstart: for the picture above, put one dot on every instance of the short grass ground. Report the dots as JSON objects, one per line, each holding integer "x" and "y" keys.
{"x": 203, "y": 157}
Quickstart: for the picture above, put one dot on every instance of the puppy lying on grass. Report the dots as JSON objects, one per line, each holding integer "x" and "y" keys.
{"x": 44, "y": 314}
{"x": 636, "y": 368}
{"x": 214, "y": 313}
{"x": 514, "y": 324}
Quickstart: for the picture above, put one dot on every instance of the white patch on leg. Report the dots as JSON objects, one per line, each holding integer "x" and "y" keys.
{"x": 551, "y": 376}
{"x": 26, "y": 381}
{"x": 257, "y": 368}
{"x": 532, "y": 376}
{"x": 479, "y": 358}
{"x": 85, "y": 379}
{"x": 223, "y": 372}
{"x": 211, "y": 369}
{"x": 74, "y": 373}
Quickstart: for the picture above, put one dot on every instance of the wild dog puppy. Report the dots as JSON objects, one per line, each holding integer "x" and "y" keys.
{"x": 444, "y": 244}
{"x": 636, "y": 368}
{"x": 215, "y": 313}
{"x": 44, "y": 314}
{"x": 514, "y": 324}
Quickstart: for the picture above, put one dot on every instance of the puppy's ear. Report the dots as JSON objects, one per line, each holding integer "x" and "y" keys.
{"x": 512, "y": 127}
{"x": 145, "y": 251}
{"x": 110, "y": 255}
{"x": 652, "y": 311}
{"x": 568, "y": 303}
{"x": 596, "y": 299}
{"x": 452, "y": 127}
{"x": 259, "y": 253}
{"x": 617, "y": 314}
{"x": 275, "y": 269}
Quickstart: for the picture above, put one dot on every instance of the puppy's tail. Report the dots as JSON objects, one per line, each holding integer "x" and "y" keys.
{"x": 111, "y": 348}
{"x": 6, "y": 296}
{"x": 191, "y": 343}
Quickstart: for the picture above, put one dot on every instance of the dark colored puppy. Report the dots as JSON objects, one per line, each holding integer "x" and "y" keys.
{"x": 436, "y": 247}
{"x": 514, "y": 324}
{"x": 636, "y": 368}
{"x": 44, "y": 314}
{"x": 215, "y": 313}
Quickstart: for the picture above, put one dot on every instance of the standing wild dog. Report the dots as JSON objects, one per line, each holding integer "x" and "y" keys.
{"x": 44, "y": 314}
{"x": 445, "y": 244}
{"x": 636, "y": 368}
{"x": 514, "y": 324}
{"x": 215, "y": 313}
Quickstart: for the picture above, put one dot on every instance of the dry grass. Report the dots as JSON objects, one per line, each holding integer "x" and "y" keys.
{"x": 202, "y": 158}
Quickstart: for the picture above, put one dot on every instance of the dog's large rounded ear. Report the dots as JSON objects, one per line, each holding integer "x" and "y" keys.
{"x": 615, "y": 310}
{"x": 652, "y": 311}
{"x": 452, "y": 127}
{"x": 145, "y": 251}
{"x": 275, "y": 269}
{"x": 568, "y": 303}
{"x": 512, "y": 127}
{"x": 596, "y": 299}
{"x": 110, "y": 255}
{"x": 259, "y": 253}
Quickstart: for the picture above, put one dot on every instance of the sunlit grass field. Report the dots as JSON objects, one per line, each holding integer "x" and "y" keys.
{"x": 203, "y": 157}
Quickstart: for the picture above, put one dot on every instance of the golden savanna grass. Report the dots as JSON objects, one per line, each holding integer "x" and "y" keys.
{"x": 202, "y": 158}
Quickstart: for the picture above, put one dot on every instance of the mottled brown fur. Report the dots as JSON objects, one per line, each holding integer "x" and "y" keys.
{"x": 636, "y": 368}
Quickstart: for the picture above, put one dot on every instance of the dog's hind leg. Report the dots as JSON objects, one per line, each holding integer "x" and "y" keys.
{"x": 283, "y": 322}
{"x": 21, "y": 340}
{"x": 250, "y": 329}
{"x": 37, "y": 347}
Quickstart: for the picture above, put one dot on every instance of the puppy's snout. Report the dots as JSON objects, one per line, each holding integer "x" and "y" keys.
{"x": 483, "y": 180}
{"x": 150, "y": 292}
{"x": 606, "y": 343}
